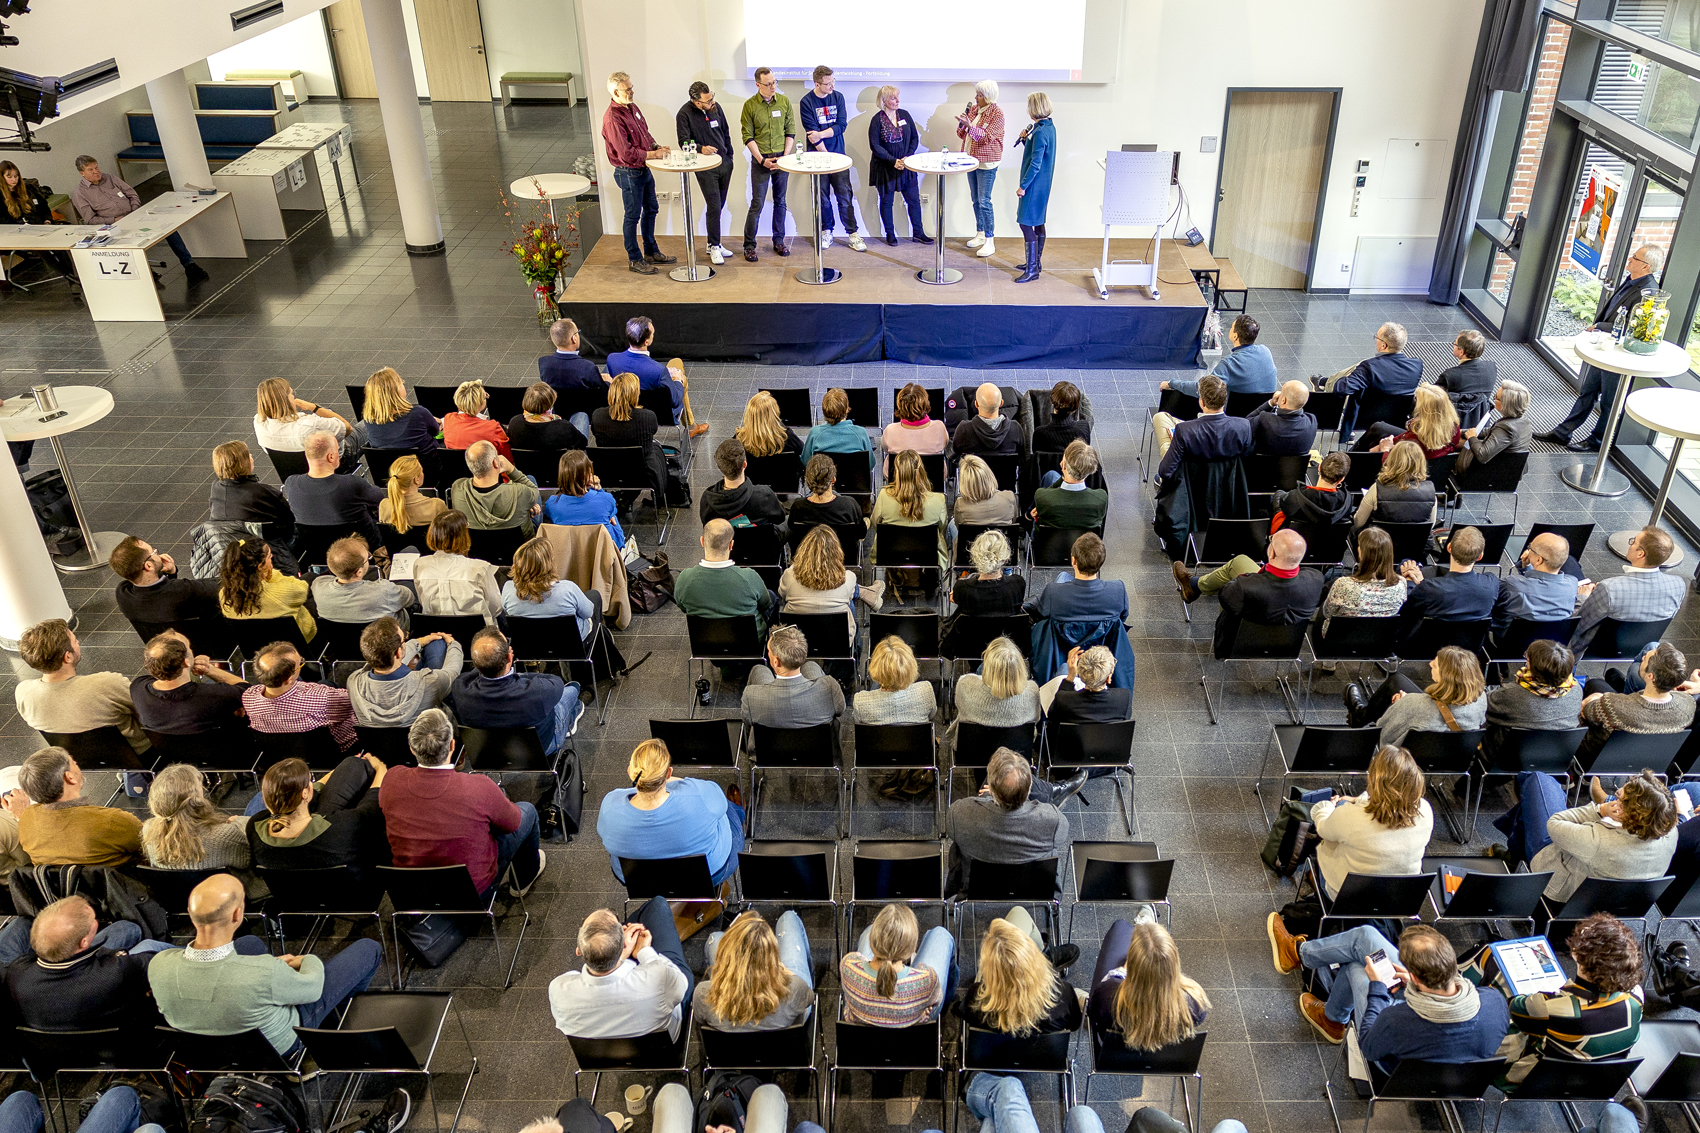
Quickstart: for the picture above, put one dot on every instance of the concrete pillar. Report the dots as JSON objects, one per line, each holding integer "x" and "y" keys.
{"x": 398, "y": 101}
{"x": 179, "y": 136}
{"x": 29, "y": 586}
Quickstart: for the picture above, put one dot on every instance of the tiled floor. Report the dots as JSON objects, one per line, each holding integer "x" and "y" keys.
{"x": 340, "y": 298}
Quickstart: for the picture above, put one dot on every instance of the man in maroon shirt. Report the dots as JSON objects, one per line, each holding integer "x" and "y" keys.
{"x": 437, "y": 816}
{"x": 626, "y": 135}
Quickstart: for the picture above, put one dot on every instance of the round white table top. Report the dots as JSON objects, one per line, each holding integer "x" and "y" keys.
{"x": 83, "y": 405}
{"x": 1665, "y": 362}
{"x": 550, "y": 186}
{"x": 1674, "y": 412}
{"x": 814, "y": 163}
{"x": 941, "y": 161}
{"x": 676, "y": 162}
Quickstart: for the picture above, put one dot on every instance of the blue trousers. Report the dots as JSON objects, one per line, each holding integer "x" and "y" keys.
{"x": 836, "y": 185}
{"x": 119, "y": 1110}
{"x": 1348, "y": 988}
{"x": 637, "y": 187}
{"x": 1001, "y": 1104}
{"x": 911, "y": 191}
{"x": 519, "y": 849}
{"x": 566, "y": 711}
{"x": 175, "y": 242}
{"x": 980, "y": 192}
{"x": 1539, "y": 797}
{"x": 760, "y": 177}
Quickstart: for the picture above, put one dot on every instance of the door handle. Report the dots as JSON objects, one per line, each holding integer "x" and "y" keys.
{"x": 478, "y": 47}
{"x": 1221, "y": 194}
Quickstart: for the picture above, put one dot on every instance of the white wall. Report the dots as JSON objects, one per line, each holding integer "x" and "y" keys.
{"x": 1402, "y": 66}
{"x": 522, "y": 36}
{"x": 98, "y": 130}
{"x": 300, "y": 45}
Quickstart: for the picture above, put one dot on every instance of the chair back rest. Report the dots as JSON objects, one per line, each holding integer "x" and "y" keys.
{"x": 48, "y": 1052}
{"x": 254, "y": 634}
{"x": 969, "y": 636}
{"x": 99, "y": 749}
{"x": 1115, "y": 879}
{"x": 1576, "y": 534}
{"x": 1494, "y": 896}
{"x": 814, "y": 746}
{"x": 788, "y": 871}
{"x": 1444, "y": 753}
{"x": 1354, "y": 639}
{"x": 975, "y": 743}
{"x": 546, "y": 639}
{"x": 659, "y": 401}
{"x": 462, "y": 627}
{"x": 1614, "y": 639}
{"x": 341, "y": 640}
{"x": 378, "y": 461}
{"x": 1264, "y": 472}
{"x": 1625, "y": 900}
{"x": 828, "y": 635}
{"x": 783, "y": 472}
{"x": 1501, "y": 474}
{"x": 496, "y": 545}
{"x": 246, "y": 1050}
{"x": 1395, "y": 895}
{"x": 1678, "y": 1082}
{"x": 1090, "y": 745}
{"x": 1366, "y": 466}
{"x": 849, "y": 540}
{"x": 288, "y": 464}
{"x": 1004, "y": 1053}
{"x": 795, "y": 412}
{"x": 1410, "y": 540}
{"x": 966, "y": 534}
{"x": 685, "y": 878}
{"x": 1271, "y": 643}
{"x": 1495, "y": 536}
{"x": 344, "y": 1051}
{"x": 1326, "y": 406}
{"x": 900, "y": 545}
{"x": 1178, "y": 405}
{"x": 1626, "y": 753}
{"x": 227, "y": 748}
{"x": 920, "y": 632}
{"x": 317, "y": 748}
{"x": 898, "y": 871}
{"x": 654, "y": 1051}
{"x": 1527, "y": 749}
{"x": 895, "y": 745}
{"x": 696, "y": 743}
{"x": 1440, "y": 469}
{"x": 1225, "y": 538}
{"x": 1324, "y": 546}
{"x": 933, "y": 464}
{"x": 542, "y": 465}
{"x": 1563, "y": 1079}
{"x": 760, "y": 1050}
{"x": 333, "y": 889}
{"x": 1437, "y": 1081}
{"x": 863, "y": 1046}
{"x": 1053, "y": 546}
{"x": 624, "y": 467}
{"x": 728, "y": 638}
{"x": 1433, "y": 635}
{"x": 1328, "y": 749}
{"x": 1242, "y": 404}
{"x": 865, "y": 406}
{"x": 440, "y": 400}
{"x": 171, "y": 887}
{"x": 1514, "y": 641}
{"x": 430, "y": 889}
{"x": 1110, "y": 1055}
{"x": 1009, "y": 881}
{"x": 855, "y": 477}
{"x": 388, "y": 744}
{"x": 1005, "y": 466}
{"x": 758, "y": 546}
{"x": 515, "y": 750}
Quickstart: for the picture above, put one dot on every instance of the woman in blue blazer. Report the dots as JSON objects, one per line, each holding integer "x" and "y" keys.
{"x": 892, "y": 136}
{"x": 1038, "y": 162}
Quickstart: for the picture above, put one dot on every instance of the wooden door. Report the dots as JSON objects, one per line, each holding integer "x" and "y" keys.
{"x": 347, "y": 27}
{"x": 1272, "y": 169}
{"x": 452, "y": 39}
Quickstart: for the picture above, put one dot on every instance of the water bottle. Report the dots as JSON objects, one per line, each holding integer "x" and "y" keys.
{"x": 1619, "y": 324}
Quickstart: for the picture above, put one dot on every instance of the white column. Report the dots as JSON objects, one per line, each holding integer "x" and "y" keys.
{"x": 179, "y": 136}
{"x": 29, "y": 586}
{"x": 398, "y": 101}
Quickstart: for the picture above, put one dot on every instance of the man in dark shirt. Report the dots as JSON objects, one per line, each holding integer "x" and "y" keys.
{"x": 1212, "y": 435}
{"x": 169, "y": 699}
{"x": 151, "y": 592}
{"x": 1378, "y": 386}
{"x": 564, "y": 370}
{"x": 703, "y": 121}
{"x": 494, "y": 696}
{"x": 1082, "y": 694}
{"x": 325, "y": 497}
{"x": 1082, "y": 596}
{"x": 1458, "y": 595}
{"x": 72, "y": 983}
{"x": 1471, "y": 383}
{"x": 736, "y": 497}
{"x": 1599, "y": 385}
{"x": 988, "y": 432}
{"x": 1281, "y": 427}
{"x": 1280, "y": 593}
{"x": 1066, "y": 422}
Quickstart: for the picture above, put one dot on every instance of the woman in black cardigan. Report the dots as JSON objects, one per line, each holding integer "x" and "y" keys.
{"x": 892, "y": 136}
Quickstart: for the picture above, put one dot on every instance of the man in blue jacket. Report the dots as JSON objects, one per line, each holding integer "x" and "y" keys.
{"x": 564, "y": 371}
{"x": 635, "y": 359}
{"x": 1246, "y": 367}
{"x": 823, "y": 117}
{"x": 1212, "y": 435}
{"x": 1378, "y": 386}
{"x": 494, "y": 696}
{"x": 1280, "y": 426}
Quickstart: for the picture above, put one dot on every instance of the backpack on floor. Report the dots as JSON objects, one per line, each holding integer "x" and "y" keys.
{"x": 431, "y": 939}
{"x": 1292, "y": 836}
{"x": 234, "y": 1104}
{"x": 726, "y": 1100}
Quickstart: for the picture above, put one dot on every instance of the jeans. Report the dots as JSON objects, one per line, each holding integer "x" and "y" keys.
{"x": 181, "y": 249}
{"x": 434, "y": 654}
{"x": 519, "y": 849}
{"x": 793, "y": 947}
{"x": 1001, "y": 1104}
{"x": 980, "y": 192}
{"x": 566, "y": 712}
{"x": 937, "y": 951}
{"x": 769, "y": 1111}
{"x": 346, "y": 974}
{"x": 734, "y": 821}
{"x": 836, "y": 185}
{"x": 760, "y": 175}
{"x": 119, "y": 1110}
{"x": 657, "y": 916}
{"x": 911, "y": 191}
{"x": 637, "y": 187}
{"x": 714, "y": 185}
{"x": 120, "y": 936}
{"x": 1348, "y": 988}
{"x": 1150, "y": 1119}
{"x": 581, "y": 422}
{"x": 1050, "y": 479}
{"x": 1613, "y": 1119}
{"x": 1632, "y": 681}
{"x": 1539, "y": 797}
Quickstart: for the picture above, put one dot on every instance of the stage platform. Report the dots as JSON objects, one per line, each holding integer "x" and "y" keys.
{"x": 879, "y": 310}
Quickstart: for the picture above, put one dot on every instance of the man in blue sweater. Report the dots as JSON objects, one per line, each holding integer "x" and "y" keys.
{"x": 1246, "y": 367}
{"x": 635, "y": 359}
{"x": 564, "y": 370}
{"x": 822, "y": 117}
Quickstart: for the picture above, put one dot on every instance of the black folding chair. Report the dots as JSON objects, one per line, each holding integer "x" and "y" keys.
{"x": 288, "y": 464}
{"x": 556, "y": 641}
{"x": 1485, "y": 891}
{"x": 995, "y": 1052}
{"x": 654, "y": 1053}
{"x": 378, "y": 461}
{"x": 1177, "y": 1061}
{"x": 863, "y": 1046}
{"x": 1410, "y": 540}
{"x": 724, "y": 641}
{"x": 341, "y": 640}
{"x": 828, "y": 635}
{"x": 1669, "y": 1053}
{"x": 795, "y": 749}
{"x": 323, "y": 895}
{"x": 1244, "y": 404}
{"x": 1325, "y": 546}
{"x": 1318, "y": 751}
{"x": 1339, "y": 639}
{"x": 1502, "y": 474}
{"x": 1446, "y": 754}
{"x": 1625, "y": 754}
{"x": 1014, "y": 534}
{"x": 1052, "y": 548}
{"x": 228, "y": 751}
{"x": 496, "y": 545}
{"x": 794, "y": 1049}
{"x": 865, "y": 406}
{"x": 1366, "y": 467}
{"x": 1327, "y": 407}
{"x": 49, "y": 1054}
{"x": 1576, "y": 534}
{"x": 1006, "y": 468}
{"x": 920, "y": 632}
{"x": 795, "y": 412}
{"x": 254, "y": 634}
{"x": 684, "y": 879}
{"x": 444, "y": 891}
{"x": 247, "y": 1052}
{"x": 1281, "y": 644}
{"x": 892, "y": 748}
{"x": 462, "y": 627}
{"x": 1511, "y": 751}
{"x": 542, "y": 465}
{"x": 1413, "y": 1080}
{"x": 626, "y": 469}
{"x": 1120, "y": 873}
{"x": 1495, "y": 538}
{"x": 1508, "y": 646}
{"x": 1625, "y": 900}
{"x": 1004, "y": 884}
{"x": 1621, "y": 641}
{"x": 1430, "y": 636}
{"x": 902, "y": 547}
{"x": 1264, "y": 472}
{"x": 317, "y": 748}
{"x": 791, "y": 874}
{"x": 910, "y": 873}
{"x": 388, "y": 1032}
{"x": 498, "y": 752}
{"x": 975, "y": 744}
{"x": 1097, "y": 747}
{"x": 388, "y": 744}
{"x": 783, "y": 472}
{"x": 1566, "y": 1082}
{"x": 440, "y": 400}
{"x": 1369, "y": 897}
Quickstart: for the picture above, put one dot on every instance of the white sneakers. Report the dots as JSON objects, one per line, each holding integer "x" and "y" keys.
{"x": 715, "y": 255}
{"x": 986, "y": 248}
{"x": 826, "y": 239}
{"x": 856, "y": 244}
{"x": 979, "y": 238}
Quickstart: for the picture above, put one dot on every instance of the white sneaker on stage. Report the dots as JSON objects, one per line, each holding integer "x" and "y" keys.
{"x": 715, "y": 256}
{"x": 979, "y": 238}
{"x": 721, "y": 248}
{"x": 826, "y": 239}
{"x": 856, "y": 244}
{"x": 986, "y": 248}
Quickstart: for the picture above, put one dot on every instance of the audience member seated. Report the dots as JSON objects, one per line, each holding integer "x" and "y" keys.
{"x": 1016, "y": 990}
{"x": 823, "y": 504}
{"x": 283, "y": 703}
{"x": 1433, "y": 427}
{"x": 1001, "y": 1105}
{"x": 1211, "y": 436}
{"x": 1146, "y": 1000}
{"x": 839, "y": 436}
{"x": 1654, "y": 708}
{"x": 80, "y": 977}
{"x": 238, "y": 495}
{"x": 150, "y": 591}
{"x": 908, "y": 500}
{"x": 622, "y": 423}
{"x": 1282, "y": 592}
{"x": 1377, "y": 385}
{"x": 762, "y": 433}
{"x": 989, "y": 432}
{"x": 470, "y": 423}
{"x": 634, "y": 982}
{"x": 1595, "y": 1015}
{"x": 896, "y": 977}
{"x": 1402, "y": 492}
{"x": 1245, "y": 368}
{"x": 437, "y": 816}
{"x": 1015, "y": 819}
{"x": 979, "y": 500}
{"x": 635, "y": 359}
{"x": 1537, "y": 589}
{"x": 1065, "y": 500}
{"x": 324, "y": 497}
{"x": 719, "y": 588}
{"x": 1383, "y": 831}
{"x": 394, "y": 422}
{"x": 1311, "y": 509}
{"x": 1439, "y": 1018}
{"x": 61, "y": 700}
{"x": 536, "y": 590}
{"x": 404, "y": 507}
{"x": 401, "y": 678}
{"x": 914, "y": 430}
{"x": 494, "y": 695}
{"x": 169, "y": 700}
{"x": 1575, "y": 844}
{"x": 1455, "y": 701}
{"x": 758, "y": 978}
{"x": 336, "y": 821}
{"x": 1510, "y": 431}
{"x": 1470, "y": 383}
{"x": 13, "y": 802}
{"x": 250, "y": 588}
{"x": 448, "y": 582}
{"x": 497, "y": 496}
{"x": 991, "y": 591}
{"x": 564, "y": 370}
{"x": 579, "y": 499}
{"x": 1458, "y": 594}
{"x": 62, "y": 828}
{"x": 283, "y": 422}
{"x": 1374, "y": 589}
{"x": 790, "y": 691}
{"x": 537, "y": 427}
{"x": 348, "y": 596}
{"x": 214, "y": 988}
{"x": 900, "y": 697}
{"x": 817, "y": 581}
{"x": 735, "y": 497}
{"x": 1067, "y": 423}
{"x": 186, "y": 830}
{"x": 1280, "y": 426}
{"x": 1001, "y": 694}
{"x": 1642, "y": 593}
{"x": 1542, "y": 696}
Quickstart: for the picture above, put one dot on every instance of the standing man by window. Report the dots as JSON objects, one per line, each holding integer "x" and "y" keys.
{"x": 824, "y": 115}
{"x": 102, "y": 198}
{"x": 770, "y": 132}
{"x": 629, "y": 144}
{"x": 701, "y": 120}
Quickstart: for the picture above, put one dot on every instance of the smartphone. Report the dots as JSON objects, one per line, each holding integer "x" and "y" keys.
{"x": 1384, "y": 968}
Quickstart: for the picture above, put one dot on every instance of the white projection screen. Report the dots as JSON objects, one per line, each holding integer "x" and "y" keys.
{"x": 926, "y": 40}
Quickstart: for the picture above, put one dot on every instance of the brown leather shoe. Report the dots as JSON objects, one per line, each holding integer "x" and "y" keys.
{"x": 699, "y": 429}
{"x": 734, "y": 795}
{"x": 1183, "y": 579}
{"x": 1312, "y": 1009}
{"x": 1283, "y": 945}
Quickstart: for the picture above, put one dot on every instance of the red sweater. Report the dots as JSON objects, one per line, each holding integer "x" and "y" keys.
{"x": 462, "y": 431}
{"x": 439, "y": 817}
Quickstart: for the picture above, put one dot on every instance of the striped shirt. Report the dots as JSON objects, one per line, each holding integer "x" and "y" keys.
{"x": 1576, "y": 1022}
{"x": 911, "y": 1000}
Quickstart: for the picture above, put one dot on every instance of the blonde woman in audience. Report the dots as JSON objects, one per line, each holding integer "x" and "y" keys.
{"x": 1402, "y": 492}
{"x": 1002, "y": 694}
{"x": 1139, "y": 991}
{"x": 979, "y": 500}
{"x": 659, "y": 816}
{"x": 900, "y": 698}
{"x": 186, "y": 830}
{"x": 914, "y": 430}
{"x": 817, "y": 581}
{"x": 404, "y": 506}
{"x": 759, "y": 978}
{"x": 536, "y": 589}
{"x": 449, "y": 583}
{"x": 248, "y": 587}
{"x": 762, "y": 433}
{"x": 896, "y": 977}
{"x": 1015, "y": 990}
{"x": 1433, "y": 426}
{"x": 908, "y": 500}
{"x": 469, "y": 423}
{"x": 392, "y": 421}
{"x": 1455, "y": 700}
{"x": 283, "y": 421}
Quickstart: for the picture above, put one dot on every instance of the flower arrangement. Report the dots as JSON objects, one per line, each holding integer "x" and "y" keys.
{"x": 541, "y": 250}
{"x": 1647, "y": 322}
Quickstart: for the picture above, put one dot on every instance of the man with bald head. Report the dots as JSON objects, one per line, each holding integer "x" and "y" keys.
{"x": 222, "y": 986}
{"x": 988, "y": 432}
{"x": 81, "y": 977}
{"x": 1538, "y": 590}
{"x": 324, "y": 497}
{"x": 1280, "y": 592}
{"x": 493, "y": 695}
{"x": 1281, "y": 427}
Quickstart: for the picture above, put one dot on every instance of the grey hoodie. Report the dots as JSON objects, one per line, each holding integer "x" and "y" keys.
{"x": 398, "y": 703}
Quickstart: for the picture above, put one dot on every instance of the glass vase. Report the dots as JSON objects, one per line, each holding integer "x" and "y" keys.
{"x": 1647, "y": 321}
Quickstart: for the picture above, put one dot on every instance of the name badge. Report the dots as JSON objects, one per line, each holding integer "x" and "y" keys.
{"x": 713, "y": 125}
{"x": 778, "y": 114}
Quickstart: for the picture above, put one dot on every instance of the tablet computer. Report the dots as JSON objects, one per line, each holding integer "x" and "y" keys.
{"x": 1528, "y": 965}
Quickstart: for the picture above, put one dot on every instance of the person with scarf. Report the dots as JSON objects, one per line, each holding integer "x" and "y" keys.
{"x": 1282, "y": 591}
{"x": 1542, "y": 696}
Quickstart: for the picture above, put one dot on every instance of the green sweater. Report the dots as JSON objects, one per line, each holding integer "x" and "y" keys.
{"x": 235, "y": 994}
{"x": 722, "y": 592}
{"x": 1076, "y": 511}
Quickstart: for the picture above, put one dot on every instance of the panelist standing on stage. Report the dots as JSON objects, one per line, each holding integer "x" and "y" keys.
{"x": 892, "y": 136}
{"x": 704, "y": 123}
{"x": 824, "y": 115}
{"x": 770, "y": 133}
{"x": 629, "y": 144}
{"x": 1038, "y": 162}
{"x": 981, "y": 129}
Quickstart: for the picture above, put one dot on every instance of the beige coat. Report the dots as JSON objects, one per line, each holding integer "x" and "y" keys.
{"x": 586, "y": 556}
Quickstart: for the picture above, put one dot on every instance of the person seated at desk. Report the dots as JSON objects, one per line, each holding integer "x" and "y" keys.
{"x": 1377, "y": 383}
{"x": 1246, "y": 367}
{"x": 635, "y": 359}
{"x": 840, "y": 435}
{"x": 470, "y": 422}
{"x": 1065, "y": 501}
{"x": 1211, "y": 436}
{"x": 392, "y": 421}
{"x": 324, "y": 497}
{"x": 1067, "y": 423}
{"x": 1470, "y": 383}
{"x": 101, "y": 198}
{"x": 538, "y": 428}
{"x": 564, "y": 370}
{"x": 1537, "y": 589}
{"x": 1280, "y": 426}
{"x": 26, "y": 202}
{"x": 1433, "y": 426}
{"x": 1509, "y": 432}
{"x": 762, "y": 433}
{"x": 150, "y": 591}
